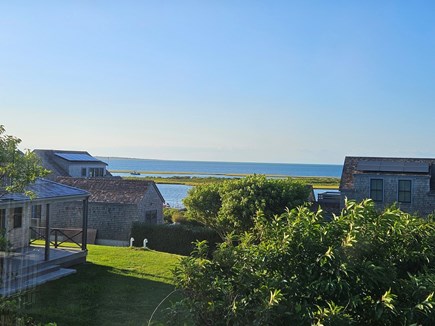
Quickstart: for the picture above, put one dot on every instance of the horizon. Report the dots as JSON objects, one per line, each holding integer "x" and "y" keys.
{"x": 246, "y": 81}
{"x": 215, "y": 161}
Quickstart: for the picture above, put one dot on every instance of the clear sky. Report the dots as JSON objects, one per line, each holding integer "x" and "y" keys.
{"x": 263, "y": 81}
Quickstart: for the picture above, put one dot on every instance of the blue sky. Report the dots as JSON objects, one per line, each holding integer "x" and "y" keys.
{"x": 262, "y": 81}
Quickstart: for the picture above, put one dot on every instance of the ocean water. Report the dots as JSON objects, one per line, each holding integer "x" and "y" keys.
{"x": 221, "y": 168}
{"x": 174, "y": 194}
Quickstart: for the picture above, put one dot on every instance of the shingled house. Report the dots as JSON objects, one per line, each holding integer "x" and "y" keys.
{"x": 409, "y": 182}
{"x": 77, "y": 164}
{"x": 23, "y": 265}
{"x": 114, "y": 204}
{"x": 18, "y": 212}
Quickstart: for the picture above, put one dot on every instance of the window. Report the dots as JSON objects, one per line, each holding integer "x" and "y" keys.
{"x": 2, "y": 219}
{"x": 377, "y": 189}
{"x": 18, "y": 217}
{"x": 404, "y": 195}
{"x": 36, "y": 211}
{"x": 84, "y": 172}
{"x": 151, "y": 217}
{"x": 96, "y": 172}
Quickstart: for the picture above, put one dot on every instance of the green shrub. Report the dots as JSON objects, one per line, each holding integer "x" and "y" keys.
{"x": 361, "y": 268}
{"x": 167, "y": 214}
{"x": 178, "y": 217}
{"x": 230, "y": 206}
{"x": 172, "y": 238}
{"x": 11, "y": 315}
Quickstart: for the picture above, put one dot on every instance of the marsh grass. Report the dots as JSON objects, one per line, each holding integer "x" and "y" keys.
{"x": 316, "y": 182}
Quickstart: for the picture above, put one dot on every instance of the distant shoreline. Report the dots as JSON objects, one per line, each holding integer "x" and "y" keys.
{"x": 198, "y": 178}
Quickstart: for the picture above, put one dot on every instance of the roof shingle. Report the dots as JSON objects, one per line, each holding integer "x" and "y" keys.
{"x": 112, "y": 190}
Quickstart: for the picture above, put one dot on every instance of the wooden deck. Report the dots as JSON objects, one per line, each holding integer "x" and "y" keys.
{"x": 27, "y": 268}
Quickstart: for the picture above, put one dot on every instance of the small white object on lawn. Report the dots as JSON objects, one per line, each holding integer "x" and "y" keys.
{"x": 131, "y": 241}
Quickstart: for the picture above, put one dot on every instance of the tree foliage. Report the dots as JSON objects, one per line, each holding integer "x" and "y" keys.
{"x": 230, "y": 206}
{"x": 361, "y": 268}
{"x": 17, "y": 169}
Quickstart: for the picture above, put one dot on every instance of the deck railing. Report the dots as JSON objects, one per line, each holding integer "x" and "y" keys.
{"x": 58, "y": 236}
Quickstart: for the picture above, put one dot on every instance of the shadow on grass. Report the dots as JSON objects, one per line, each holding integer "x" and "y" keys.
{"x": 101, "y": 295}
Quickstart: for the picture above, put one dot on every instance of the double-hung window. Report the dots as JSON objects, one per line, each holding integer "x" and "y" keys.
{"x": 377, "y": 189}
{"x": 404, "y": 194}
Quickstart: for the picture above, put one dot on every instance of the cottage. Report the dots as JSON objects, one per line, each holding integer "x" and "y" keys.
{"x": 114, "y": 204}
{"x": 78, "y": 164}
{"x": 409, "y": 182}
{"x": 23, "y": 265}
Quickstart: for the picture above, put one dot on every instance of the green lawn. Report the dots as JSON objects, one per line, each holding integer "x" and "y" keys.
{"x": 117, "y": 286}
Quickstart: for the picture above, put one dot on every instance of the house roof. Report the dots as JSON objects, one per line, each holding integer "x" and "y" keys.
{"x": 44, "y": 189}
{"x": 112, "y": 190}
{"x": 397, "y": 165}
{"x": 77, "y": 157}
{"x": 50, "y": 160}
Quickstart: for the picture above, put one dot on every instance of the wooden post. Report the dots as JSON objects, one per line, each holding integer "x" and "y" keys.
{"x": 47, "y": 233}
{"x": 85, "y": 224}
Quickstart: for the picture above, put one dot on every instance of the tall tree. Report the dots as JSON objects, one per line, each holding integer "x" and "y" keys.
{"x": 17, "y": 169}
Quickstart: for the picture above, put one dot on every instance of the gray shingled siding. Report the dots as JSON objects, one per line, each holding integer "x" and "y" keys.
{"x": 112, "y": 221}
{"x": 66, "y": 215}
{"x": 422, "y": 202}
{"x": 151, "y": 201}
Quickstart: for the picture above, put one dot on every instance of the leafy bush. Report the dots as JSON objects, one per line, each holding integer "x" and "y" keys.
{"x": 230, "y": 206}
{"x": 10, "y": 315}
{"x": 175, "y": 215}
{"x": 361, "y": 268}
{"x": 172, "y": 238}
{"x": 179, "y": 217}
{"x": 167, "y": 214}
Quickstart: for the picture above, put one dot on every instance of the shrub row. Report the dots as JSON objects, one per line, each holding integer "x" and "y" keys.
{"x": 173, "y": 238}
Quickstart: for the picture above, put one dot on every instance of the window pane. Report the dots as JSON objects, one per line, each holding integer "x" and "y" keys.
{"x": 377, "y": 189}
{"x": 404, "y": 195}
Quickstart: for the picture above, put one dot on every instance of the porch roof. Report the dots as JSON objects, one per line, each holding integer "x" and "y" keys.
{"x": 44, "y": 189}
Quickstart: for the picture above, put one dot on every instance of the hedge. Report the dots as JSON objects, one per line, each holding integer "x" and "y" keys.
{"x": 172, "y": 238}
